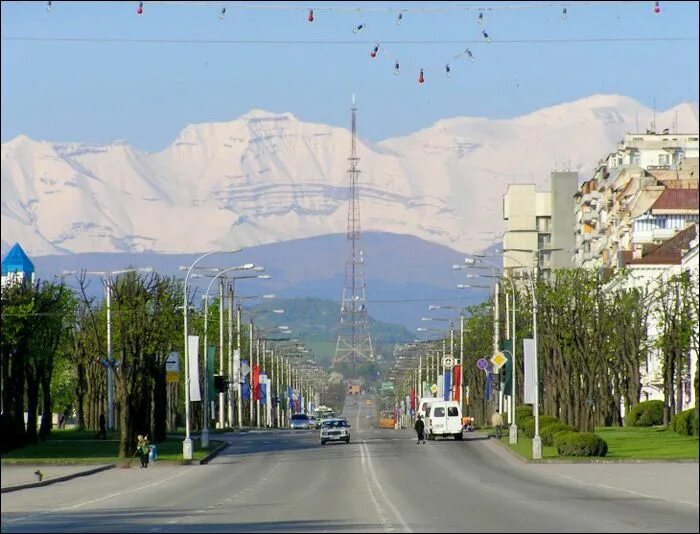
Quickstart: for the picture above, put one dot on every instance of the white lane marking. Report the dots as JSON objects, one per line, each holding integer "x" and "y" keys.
{"x": 381, "y": 490}
{"x": 380, "y": 512}
{"x": 117, "y": 494}
{"x": 655, "y": 497}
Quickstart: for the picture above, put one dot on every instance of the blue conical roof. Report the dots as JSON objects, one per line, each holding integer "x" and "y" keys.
{"x": 17, "y": 261}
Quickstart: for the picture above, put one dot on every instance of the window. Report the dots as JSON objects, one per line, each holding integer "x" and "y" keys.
{"x": 663, "y": 159}
{"x": 439, "y": 412}
{"x": 543, "y": 224}
{"x": 452, "y": 411}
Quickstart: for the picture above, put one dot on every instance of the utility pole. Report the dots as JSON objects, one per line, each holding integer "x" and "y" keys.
{"x": 238, "y": 386}
{"x": 231, "y": 374}
{"x": 221, "y": 348}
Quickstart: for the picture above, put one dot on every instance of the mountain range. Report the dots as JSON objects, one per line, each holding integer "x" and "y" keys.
{"x": 269, "y": 178}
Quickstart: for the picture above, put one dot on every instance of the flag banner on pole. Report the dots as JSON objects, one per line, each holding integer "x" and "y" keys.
{"x": 446, "y": 387}
{"x": 193, "y": 356}
{"x": 458, "y": 382}
{"x": 529, "y": 363}
{"x": 255, "y": 383}
{"x": 440, "y": 385}
{"x": 413, "y": 399}
{"x": 263, "y": 387}
{"x": 245, "y": 391}
{"x": 488, "y": 386}
{"x": 236, "y": 365}
{"x": 209, "y": 371}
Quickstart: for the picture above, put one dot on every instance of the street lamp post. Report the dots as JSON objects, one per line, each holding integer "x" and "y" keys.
{"x": 187, "y": 442}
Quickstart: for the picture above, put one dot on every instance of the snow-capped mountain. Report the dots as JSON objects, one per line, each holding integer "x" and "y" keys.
{"x": 266, "y": 177}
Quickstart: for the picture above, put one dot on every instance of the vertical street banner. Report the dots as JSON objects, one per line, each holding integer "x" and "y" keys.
{"x": 193, "y": 357}
{"x": 262, "y": 378}
{"x": 446, "y": 387}
{"x": 488, "y": 386}
{"x": 458, "y": 382}
{"x": 529, "y": 361}
{"x": 236, "y": 366}
{"x": 440, "y": 385}
{"x": 209, "y": 371}
{"x": 255, "y": 382}
{"x": 413, "y": 399}
{"x": 245, "y": 381}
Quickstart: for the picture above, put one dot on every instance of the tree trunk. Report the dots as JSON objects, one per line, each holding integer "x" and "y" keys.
{"x": 32, "y": 404}
{"x": 46, "y": 414}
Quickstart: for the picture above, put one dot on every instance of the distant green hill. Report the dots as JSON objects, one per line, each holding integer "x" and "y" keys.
{"x": 315, "y": 320}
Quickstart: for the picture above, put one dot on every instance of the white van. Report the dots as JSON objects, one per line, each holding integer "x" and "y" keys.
{"x": 423, "y": 403}
{"x": 444, "y": 419}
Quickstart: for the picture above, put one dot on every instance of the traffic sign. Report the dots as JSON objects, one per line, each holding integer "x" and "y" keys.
{"x": 482, "y": 364}
{"x": 172, "y": 363}
{"x": 245, "y": 369}
{"x": 434, "y": 388}
{"x": 448, "y": 361}
{"x": 498, "y": 360}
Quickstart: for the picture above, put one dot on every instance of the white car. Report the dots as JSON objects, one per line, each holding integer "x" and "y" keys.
{"x": 335, "y": 430}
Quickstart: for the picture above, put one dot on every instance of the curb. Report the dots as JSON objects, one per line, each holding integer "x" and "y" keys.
{"x": 213, "y": 453}
{"x": 28, "y": 485}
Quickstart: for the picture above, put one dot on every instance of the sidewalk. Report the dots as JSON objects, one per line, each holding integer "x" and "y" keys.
{"x": 16, "y": 477}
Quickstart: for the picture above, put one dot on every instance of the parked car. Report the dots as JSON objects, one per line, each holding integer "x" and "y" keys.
{"x": 300, "y": 421}
{"x": 335, "y": 430}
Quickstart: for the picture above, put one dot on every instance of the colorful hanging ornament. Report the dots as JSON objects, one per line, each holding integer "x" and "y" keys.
{"x": 358, "y": 28}
{"x": 139, "y": 10}
{"x": 223, "y": 13}
{"x": 448, "y": 72}
{"x": 396, "y": 68}
{"x": 657, "y": 8}
{"x": 563, "y": 13}
{"x": 374, "y": 51}
{"x": 399, "y": 19}
{"x": 486, "y": 36}
{"x": 311, "y": 15}
{"x": 421, "y": 79}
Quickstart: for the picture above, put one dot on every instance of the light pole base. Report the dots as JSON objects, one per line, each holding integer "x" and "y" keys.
{"x": 536, "y": 448}
{"x": 187, "y": 449}
{"x": 513, "y": 434}
{"x": 205, "y": 438}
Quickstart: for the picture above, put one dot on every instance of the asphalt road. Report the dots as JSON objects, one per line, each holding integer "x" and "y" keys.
{"x": 381, "y": 482}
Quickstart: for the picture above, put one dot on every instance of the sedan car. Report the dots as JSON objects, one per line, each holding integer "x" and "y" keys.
{"x": 300, "y": 421}
{"x": 335, "y": 430}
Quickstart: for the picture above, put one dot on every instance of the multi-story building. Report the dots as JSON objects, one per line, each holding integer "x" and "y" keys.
{"x": 539, "y": 221}
{"x": 643, "y": 193}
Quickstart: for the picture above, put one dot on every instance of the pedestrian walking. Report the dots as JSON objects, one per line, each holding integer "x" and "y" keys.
{"x": 103, "y": 427}
{"x": 497, "y": 423}
{"x": 420, "y": 429}
{"x": 143, "y": 449}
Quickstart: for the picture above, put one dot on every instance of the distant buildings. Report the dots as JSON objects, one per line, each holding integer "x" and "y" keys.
{"x": 17, "y": 267}
{"x": 539, "y": 221}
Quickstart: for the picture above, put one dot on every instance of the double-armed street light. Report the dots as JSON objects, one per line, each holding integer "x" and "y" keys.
{"x": 187, "y": 452}
{"x": 107, "y": 282}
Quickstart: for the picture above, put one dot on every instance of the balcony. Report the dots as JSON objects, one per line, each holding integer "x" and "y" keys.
{"x": 593, "y": 196}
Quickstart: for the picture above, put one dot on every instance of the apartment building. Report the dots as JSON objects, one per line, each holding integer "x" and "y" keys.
{"x": 539, "y": 221}
{"x": 640, "y": 195}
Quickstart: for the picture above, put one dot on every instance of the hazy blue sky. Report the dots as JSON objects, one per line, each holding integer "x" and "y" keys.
{"x": 92, "y": 91}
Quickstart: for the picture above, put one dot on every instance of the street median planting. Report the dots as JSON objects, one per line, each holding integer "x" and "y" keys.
{"x": 580, "y": 444}
{"x": 76, "y": 447}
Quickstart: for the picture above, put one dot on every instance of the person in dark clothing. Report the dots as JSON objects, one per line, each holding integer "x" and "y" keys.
{"x": 420, "y": 428}
{"x": 103, "y": 427}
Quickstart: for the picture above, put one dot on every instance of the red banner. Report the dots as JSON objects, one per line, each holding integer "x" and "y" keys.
{"x": 413, "y": 399}
{"x": 457, "y": 378}
{"x": 256, "y": 382}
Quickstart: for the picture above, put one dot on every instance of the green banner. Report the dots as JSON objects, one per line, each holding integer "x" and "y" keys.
{"x": 507, "y": 349}
{"x": 211, "y": 352}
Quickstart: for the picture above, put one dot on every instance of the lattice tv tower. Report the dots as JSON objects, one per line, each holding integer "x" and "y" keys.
{"x": 354, "y": 343}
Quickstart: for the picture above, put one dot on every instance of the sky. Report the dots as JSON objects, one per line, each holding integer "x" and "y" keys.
{"x": 95, "y": 72}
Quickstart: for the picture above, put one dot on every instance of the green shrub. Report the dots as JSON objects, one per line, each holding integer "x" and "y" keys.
{"x": 527, "y": 424}
{"x": 682, "y": 422}
{"x": 580, "y": 444}
{"x": 694, "y": 423}
{"x": 522, "y": 411}
{"x": 647, "y": 413}
{"x": 548, "y": 433}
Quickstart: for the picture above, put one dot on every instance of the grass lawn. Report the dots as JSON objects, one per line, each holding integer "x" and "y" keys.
{"x": 75, "y": 446}
{"x": 524, "y": 446}
{"x": 631, "y": 443}
{"x": 648, "y": 443}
